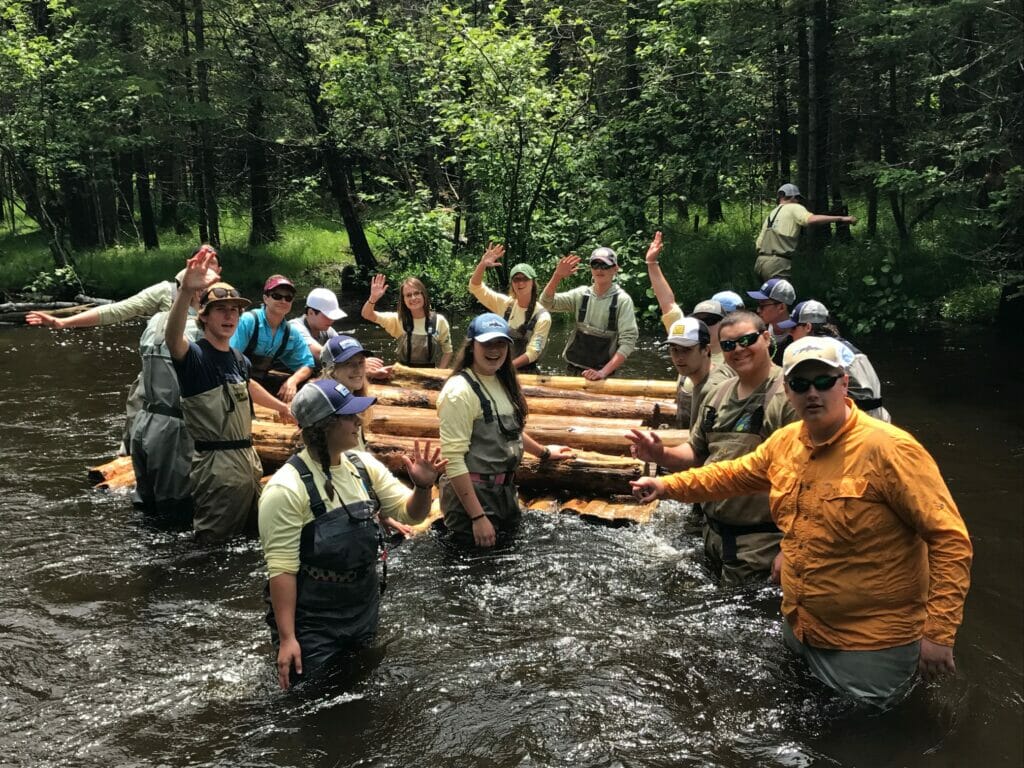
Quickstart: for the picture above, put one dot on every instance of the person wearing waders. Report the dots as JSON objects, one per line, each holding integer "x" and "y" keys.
{"x": 735, "y": 416}
{"x": 145, "y": 303}
{"x": 482, "y": 413}
{"x": 774, "y": 300}
{"x": 780, "y": 233}
{"x": 529, "y": 322}
{"x": 605, "y": 332}
{"x": 320, "y": 530}
{"x": 161, "y": 448}
{"x": 423, "y": 338}
{"x": 216, "y": 400}
{"x": 316, "y": 324}
{"x": 280, "y": 359}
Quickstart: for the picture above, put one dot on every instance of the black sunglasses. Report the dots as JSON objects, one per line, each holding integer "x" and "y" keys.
{"x": 289, "y": 297}
{"x": 600, "y": 266}
{"x": 746, "y": 340}
{"x": 221, "y": 293}
{"x": 709, "y": 320}
{"x": 821, "y": 383}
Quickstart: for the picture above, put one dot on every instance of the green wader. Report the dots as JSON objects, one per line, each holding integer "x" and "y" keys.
{"x": 495, "y": 450}
{"x": 774, "y": 256}
{"x": 225, "y": 468}
{"x": 740, "y": 538}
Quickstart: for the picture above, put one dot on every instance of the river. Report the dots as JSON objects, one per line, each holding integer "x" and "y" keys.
{"x": 584, "y": 645}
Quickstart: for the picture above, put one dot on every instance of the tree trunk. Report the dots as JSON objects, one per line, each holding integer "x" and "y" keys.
{"x": 818, "y": 170}
{"x": 149, "y": 236}
{"x": 207, "y": 168}
{"x": 802, "y": 105}
{"x": 123, "y": 173}
{"x": 782, "y": 158}
{"x": 262, "y": 229}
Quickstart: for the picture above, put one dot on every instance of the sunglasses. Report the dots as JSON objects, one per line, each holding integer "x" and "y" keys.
{"x": 821, "y": 383}
{"x": 746, "y": 340}
{"x": 221, "y": 293}
{"x": 289, "y": 297}
{"x": 763, "y": 304}
{"x": 709, "y": 320}
{"x": 600, "y": 266}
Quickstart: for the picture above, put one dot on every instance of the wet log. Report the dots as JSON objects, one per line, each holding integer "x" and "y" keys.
{"x": 434, "y": 378}
{"x": 616, "y": 509}
{"x": 117, "y": 473}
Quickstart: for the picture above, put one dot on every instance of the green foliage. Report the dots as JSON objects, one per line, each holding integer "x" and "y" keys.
{"x": 971, "y": 304}
{"x": 879, "y": 302}
{"x": 61, "y": 283}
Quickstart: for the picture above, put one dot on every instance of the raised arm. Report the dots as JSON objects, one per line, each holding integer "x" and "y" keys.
{"x": 662, "y": 290}
{"x": 378, "y": 287}
{"x": 199, "y": 274}
{"x": 567, "y": 265}
{"x": 492, "y": 258}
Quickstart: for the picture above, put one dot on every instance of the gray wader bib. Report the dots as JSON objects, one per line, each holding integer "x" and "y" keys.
{"x": 161, "y": 445}
{"x": 418, "y": 350}
{"x": 590, "y": 346}
{"x": 775, "y": 254}
{"x": 521, "y": 338}
{"x": 337, "y": 603}
{"x": 495, "y": 450}
{"x": 225, "y": 468}
{"x": 740, "y": 538}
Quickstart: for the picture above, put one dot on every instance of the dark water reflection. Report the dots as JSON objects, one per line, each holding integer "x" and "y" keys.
{"x": 581, "y": 646}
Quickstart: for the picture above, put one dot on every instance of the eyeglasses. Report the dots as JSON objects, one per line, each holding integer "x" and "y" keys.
{"x": 763, "y": 304}
{"x": 221, "y": 293}
{"x": 600, "y": 266}
{"x": 289, "y": 297}
{"x": 821, "y": 383}
{"x": 746, "y": 340}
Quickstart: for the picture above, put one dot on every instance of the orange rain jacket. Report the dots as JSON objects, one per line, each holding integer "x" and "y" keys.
{"x": 875, "y": 552}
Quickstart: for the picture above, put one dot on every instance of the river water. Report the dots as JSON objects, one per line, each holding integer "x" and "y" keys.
{"x": 584, "y": 645}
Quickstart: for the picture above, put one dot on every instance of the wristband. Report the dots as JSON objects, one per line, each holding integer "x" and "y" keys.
{"x": 545, "y": 454}
{"x": 474, "y": 519}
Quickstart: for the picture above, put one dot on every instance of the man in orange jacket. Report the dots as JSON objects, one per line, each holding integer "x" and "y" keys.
{"x": 875, "y": 561}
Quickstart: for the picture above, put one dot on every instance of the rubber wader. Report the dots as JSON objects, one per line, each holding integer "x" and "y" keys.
{"x": 590, "y": 346}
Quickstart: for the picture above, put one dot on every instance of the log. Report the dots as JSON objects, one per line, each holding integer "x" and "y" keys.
{"x": 618, "y": 509}
{"x": 433, "y": 378}
{"x": 589, "y": 472}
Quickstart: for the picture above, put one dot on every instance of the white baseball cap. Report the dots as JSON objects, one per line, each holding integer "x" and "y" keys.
{"x": 323, "y": 300}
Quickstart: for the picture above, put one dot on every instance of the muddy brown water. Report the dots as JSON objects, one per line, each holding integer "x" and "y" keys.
{"x": 583, "y": 645}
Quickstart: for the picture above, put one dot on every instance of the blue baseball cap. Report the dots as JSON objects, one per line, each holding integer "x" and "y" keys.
{"x": 488, "y": 327}
{"x": 775, "y": 289}
{"x": 323, "y": 398}
{"x": 730, "y": 300}
{"x": 340, "y": 348}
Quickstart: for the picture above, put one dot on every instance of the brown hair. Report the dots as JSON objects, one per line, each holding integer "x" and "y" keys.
{"x": 742, "y": 316}
{"x": 315, "y": 438}
{"x": 403, "y": 311}
{"x": 506, "y": 375}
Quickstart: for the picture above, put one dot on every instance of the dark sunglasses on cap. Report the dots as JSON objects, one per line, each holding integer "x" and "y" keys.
{"x": 221, "y": 293}
{"x": 746, "y": 340}
{"x": 822, "y": 383}
{"x": 709, "y": 320}
{"x": 289, "y": 297}
{"x": 600, "y": 266}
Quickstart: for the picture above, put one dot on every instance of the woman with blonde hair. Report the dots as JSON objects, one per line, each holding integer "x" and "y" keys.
{"x": 424, "y": 337}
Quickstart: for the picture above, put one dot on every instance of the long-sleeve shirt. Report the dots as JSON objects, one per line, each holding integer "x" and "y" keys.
{"x": 457, "y": 408}
{"x": 295, "y": 355}
{"x": 284, "y": 504}
{"x": 876, "y": 554}
{"x": 597, "y": 312}
{"x": 392, "y": 324}
{"x": 148, "y": 301}
{"x": 499, "y": 303}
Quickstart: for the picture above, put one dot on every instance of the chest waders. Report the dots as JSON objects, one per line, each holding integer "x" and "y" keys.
{"x": 495, "y": 450}
{"x": 744, "y": 523}
{"x": 337, "y": 589}
{"x": 418, "y": 350}
{"x": 590, "y": 346}
{"x": 225, "y": 467}
{"x": 266, "y": 369}
{"x": 775, "y": 253}
{"x": 161, "y": 447}
{"x": 521, "y": 337}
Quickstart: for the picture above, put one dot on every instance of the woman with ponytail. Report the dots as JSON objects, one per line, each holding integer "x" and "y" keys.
{"x": 529, "y": 322}
{"x": 320, "y": 527}
{"x": 483, "y": 412}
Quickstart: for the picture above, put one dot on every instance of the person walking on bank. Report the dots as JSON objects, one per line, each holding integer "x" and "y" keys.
{"x": 482, "y": 411}
{"x": 737, "y": 415}
{"x": 320, "y": 527}
{"x": 529, "y": 321}
{"x": 315, "y": 325}
{"x": 215, "y": 400}
{"x": 811, "y": 318}
{"x": 875, "y": 563}
{"x": 424, "y": 339}
{"x": 781, "y": 231}
{"x": 280, "y": 359}
{"x": 605, "y": 333}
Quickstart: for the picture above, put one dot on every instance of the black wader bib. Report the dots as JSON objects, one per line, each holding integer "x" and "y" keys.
{"x": 521, "y": 338}
{"x": 590, "y": 346}
{"x": 268, "y": 369}
{"x": 338, "y": 592}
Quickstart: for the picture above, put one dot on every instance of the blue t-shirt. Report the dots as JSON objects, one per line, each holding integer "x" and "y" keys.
{"x": 295, "y": 354}
{"x": 205, "y": 367}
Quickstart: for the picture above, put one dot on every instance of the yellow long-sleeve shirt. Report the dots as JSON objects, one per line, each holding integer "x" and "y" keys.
{"x": 876, "y": 553}
{"x": 499, "y": 302}
{"x": 457, "y": 408}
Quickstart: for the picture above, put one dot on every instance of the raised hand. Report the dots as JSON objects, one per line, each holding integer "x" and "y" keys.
{"x": 567, "y": 265}
{"x": 493, "y": 255}
{"x": 424, "y": 466}
{"x": 201, "y": 271}
{"x": 378, "y": 287}
{"x": 654, "y": 249}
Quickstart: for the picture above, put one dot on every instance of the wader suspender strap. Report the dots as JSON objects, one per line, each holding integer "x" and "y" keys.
{"x": 773, "y": 216}
{"x": 527, "y": 327}
{"x": 163, "y": 410}
{"x": 382, "y": 544}
{"x": 316, "y": 502}
{"x": 251, "y": 346}
{"x": 431, "y": 326}
{"x": 485, "y": 402}
{"x": 613, "y": 311}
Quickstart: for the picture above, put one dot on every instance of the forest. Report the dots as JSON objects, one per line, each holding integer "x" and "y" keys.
{"x": 422, "y": 131}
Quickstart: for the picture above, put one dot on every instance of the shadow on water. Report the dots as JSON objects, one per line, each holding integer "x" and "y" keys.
{"x": 580, "y": 645}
